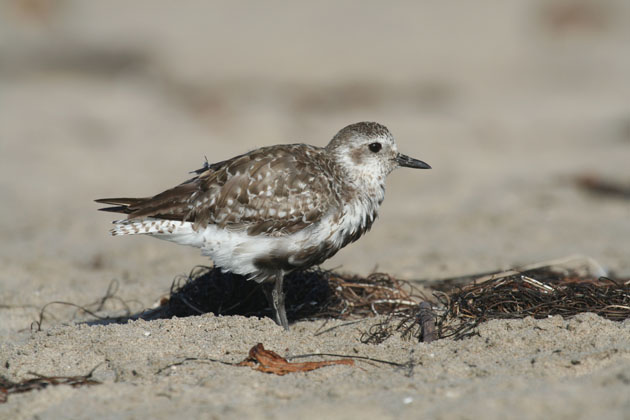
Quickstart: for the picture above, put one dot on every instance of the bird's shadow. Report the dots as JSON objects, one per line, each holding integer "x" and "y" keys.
{"x": 208, "y": 290}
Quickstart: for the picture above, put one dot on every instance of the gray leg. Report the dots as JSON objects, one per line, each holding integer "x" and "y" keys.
{"x": 275, "y": 296}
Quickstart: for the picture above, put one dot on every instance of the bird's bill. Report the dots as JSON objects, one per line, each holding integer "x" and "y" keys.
{"x": 409, "y": 162}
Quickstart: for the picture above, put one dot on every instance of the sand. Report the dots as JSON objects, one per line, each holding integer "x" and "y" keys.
{"x": 508, "y": 102}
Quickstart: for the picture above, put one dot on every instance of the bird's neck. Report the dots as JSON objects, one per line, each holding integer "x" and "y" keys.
{"x": 360, "y": 210}
{"x": 366, "y": 187}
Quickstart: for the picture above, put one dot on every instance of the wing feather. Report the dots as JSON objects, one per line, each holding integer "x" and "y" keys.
{"x": 267, "y": 191}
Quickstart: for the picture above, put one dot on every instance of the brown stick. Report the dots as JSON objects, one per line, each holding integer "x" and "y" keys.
{"x": 427, "y": 321}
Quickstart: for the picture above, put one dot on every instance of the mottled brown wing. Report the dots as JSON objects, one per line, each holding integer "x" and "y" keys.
{"x": 275, "y": 190}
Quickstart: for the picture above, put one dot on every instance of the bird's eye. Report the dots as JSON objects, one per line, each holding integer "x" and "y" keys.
{"x": 375, "y": 147}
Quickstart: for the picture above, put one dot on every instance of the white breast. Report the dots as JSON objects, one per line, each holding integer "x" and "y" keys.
{"x": 236, "y": 251}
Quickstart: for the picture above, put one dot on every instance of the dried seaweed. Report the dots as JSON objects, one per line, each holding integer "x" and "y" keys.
{"x": 208, "y": 289}
{"x": 538, "y": 293}
{"x": 378, "y": 294}
{"x": 91, "y": 309}
{"x": 563, "y": 287}
{"x": 541, "y": 291}
{"x": 312, "y": 294}
{"x": 8, "y": 387}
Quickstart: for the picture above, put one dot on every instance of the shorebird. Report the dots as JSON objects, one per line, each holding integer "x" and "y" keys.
{"x": 275, "y": 209}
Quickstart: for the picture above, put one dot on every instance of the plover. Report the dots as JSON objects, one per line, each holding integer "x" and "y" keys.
{"x": 275, "y": 209}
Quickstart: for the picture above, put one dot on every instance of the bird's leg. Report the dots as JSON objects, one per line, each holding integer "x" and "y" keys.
{"x": 275, "y": 296}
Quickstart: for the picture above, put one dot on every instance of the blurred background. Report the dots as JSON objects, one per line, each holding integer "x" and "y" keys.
{"x": 519, "y": 106}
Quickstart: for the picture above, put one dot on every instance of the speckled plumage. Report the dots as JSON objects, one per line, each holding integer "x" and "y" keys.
{"x": 275, "y": 209}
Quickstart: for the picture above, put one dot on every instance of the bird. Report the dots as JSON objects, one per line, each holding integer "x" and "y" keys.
{"x": 275, "y": 209}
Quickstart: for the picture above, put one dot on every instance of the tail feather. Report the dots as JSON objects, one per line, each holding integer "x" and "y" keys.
{"x": 146, "y": 227}
{"x": 116, "y": 209}
{"x": 119, "y": 205}
{"x": 171, "y": 204}
{"x": 120, "y": 201}
{"x": 170, "y": 230}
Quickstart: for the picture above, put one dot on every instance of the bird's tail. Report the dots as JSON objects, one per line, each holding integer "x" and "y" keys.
{"x": 150, "y": 226}
{"x": 120, "y": 205}
{"x": 169, "y": 230}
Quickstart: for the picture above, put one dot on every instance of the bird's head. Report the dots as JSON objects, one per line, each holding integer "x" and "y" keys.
{"x": 368, "y": 153}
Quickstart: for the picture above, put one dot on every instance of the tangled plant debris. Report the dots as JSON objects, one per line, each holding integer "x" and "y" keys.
{"x": 98, "y": 310}
{"x": 313, "y": 294}
{"x": 539, "y": 291}
{"x": 40, "y": 382}
{"x": 454, "y": 308}
{"x": 461, "y": 310}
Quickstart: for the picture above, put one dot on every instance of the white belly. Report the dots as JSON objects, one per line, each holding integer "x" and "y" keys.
{"x": 237, "y": 252}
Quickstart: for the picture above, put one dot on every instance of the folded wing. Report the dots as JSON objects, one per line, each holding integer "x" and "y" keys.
{"x": 268, "y": 191}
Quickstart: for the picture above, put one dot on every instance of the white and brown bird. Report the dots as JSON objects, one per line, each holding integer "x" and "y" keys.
{"x": 275, "y": 209}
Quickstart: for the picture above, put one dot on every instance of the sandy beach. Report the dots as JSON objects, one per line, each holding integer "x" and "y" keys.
{"x": 511, "y": 103}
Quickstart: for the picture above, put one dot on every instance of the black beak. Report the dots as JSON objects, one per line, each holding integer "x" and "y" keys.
{"x": 408, "y": 162}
